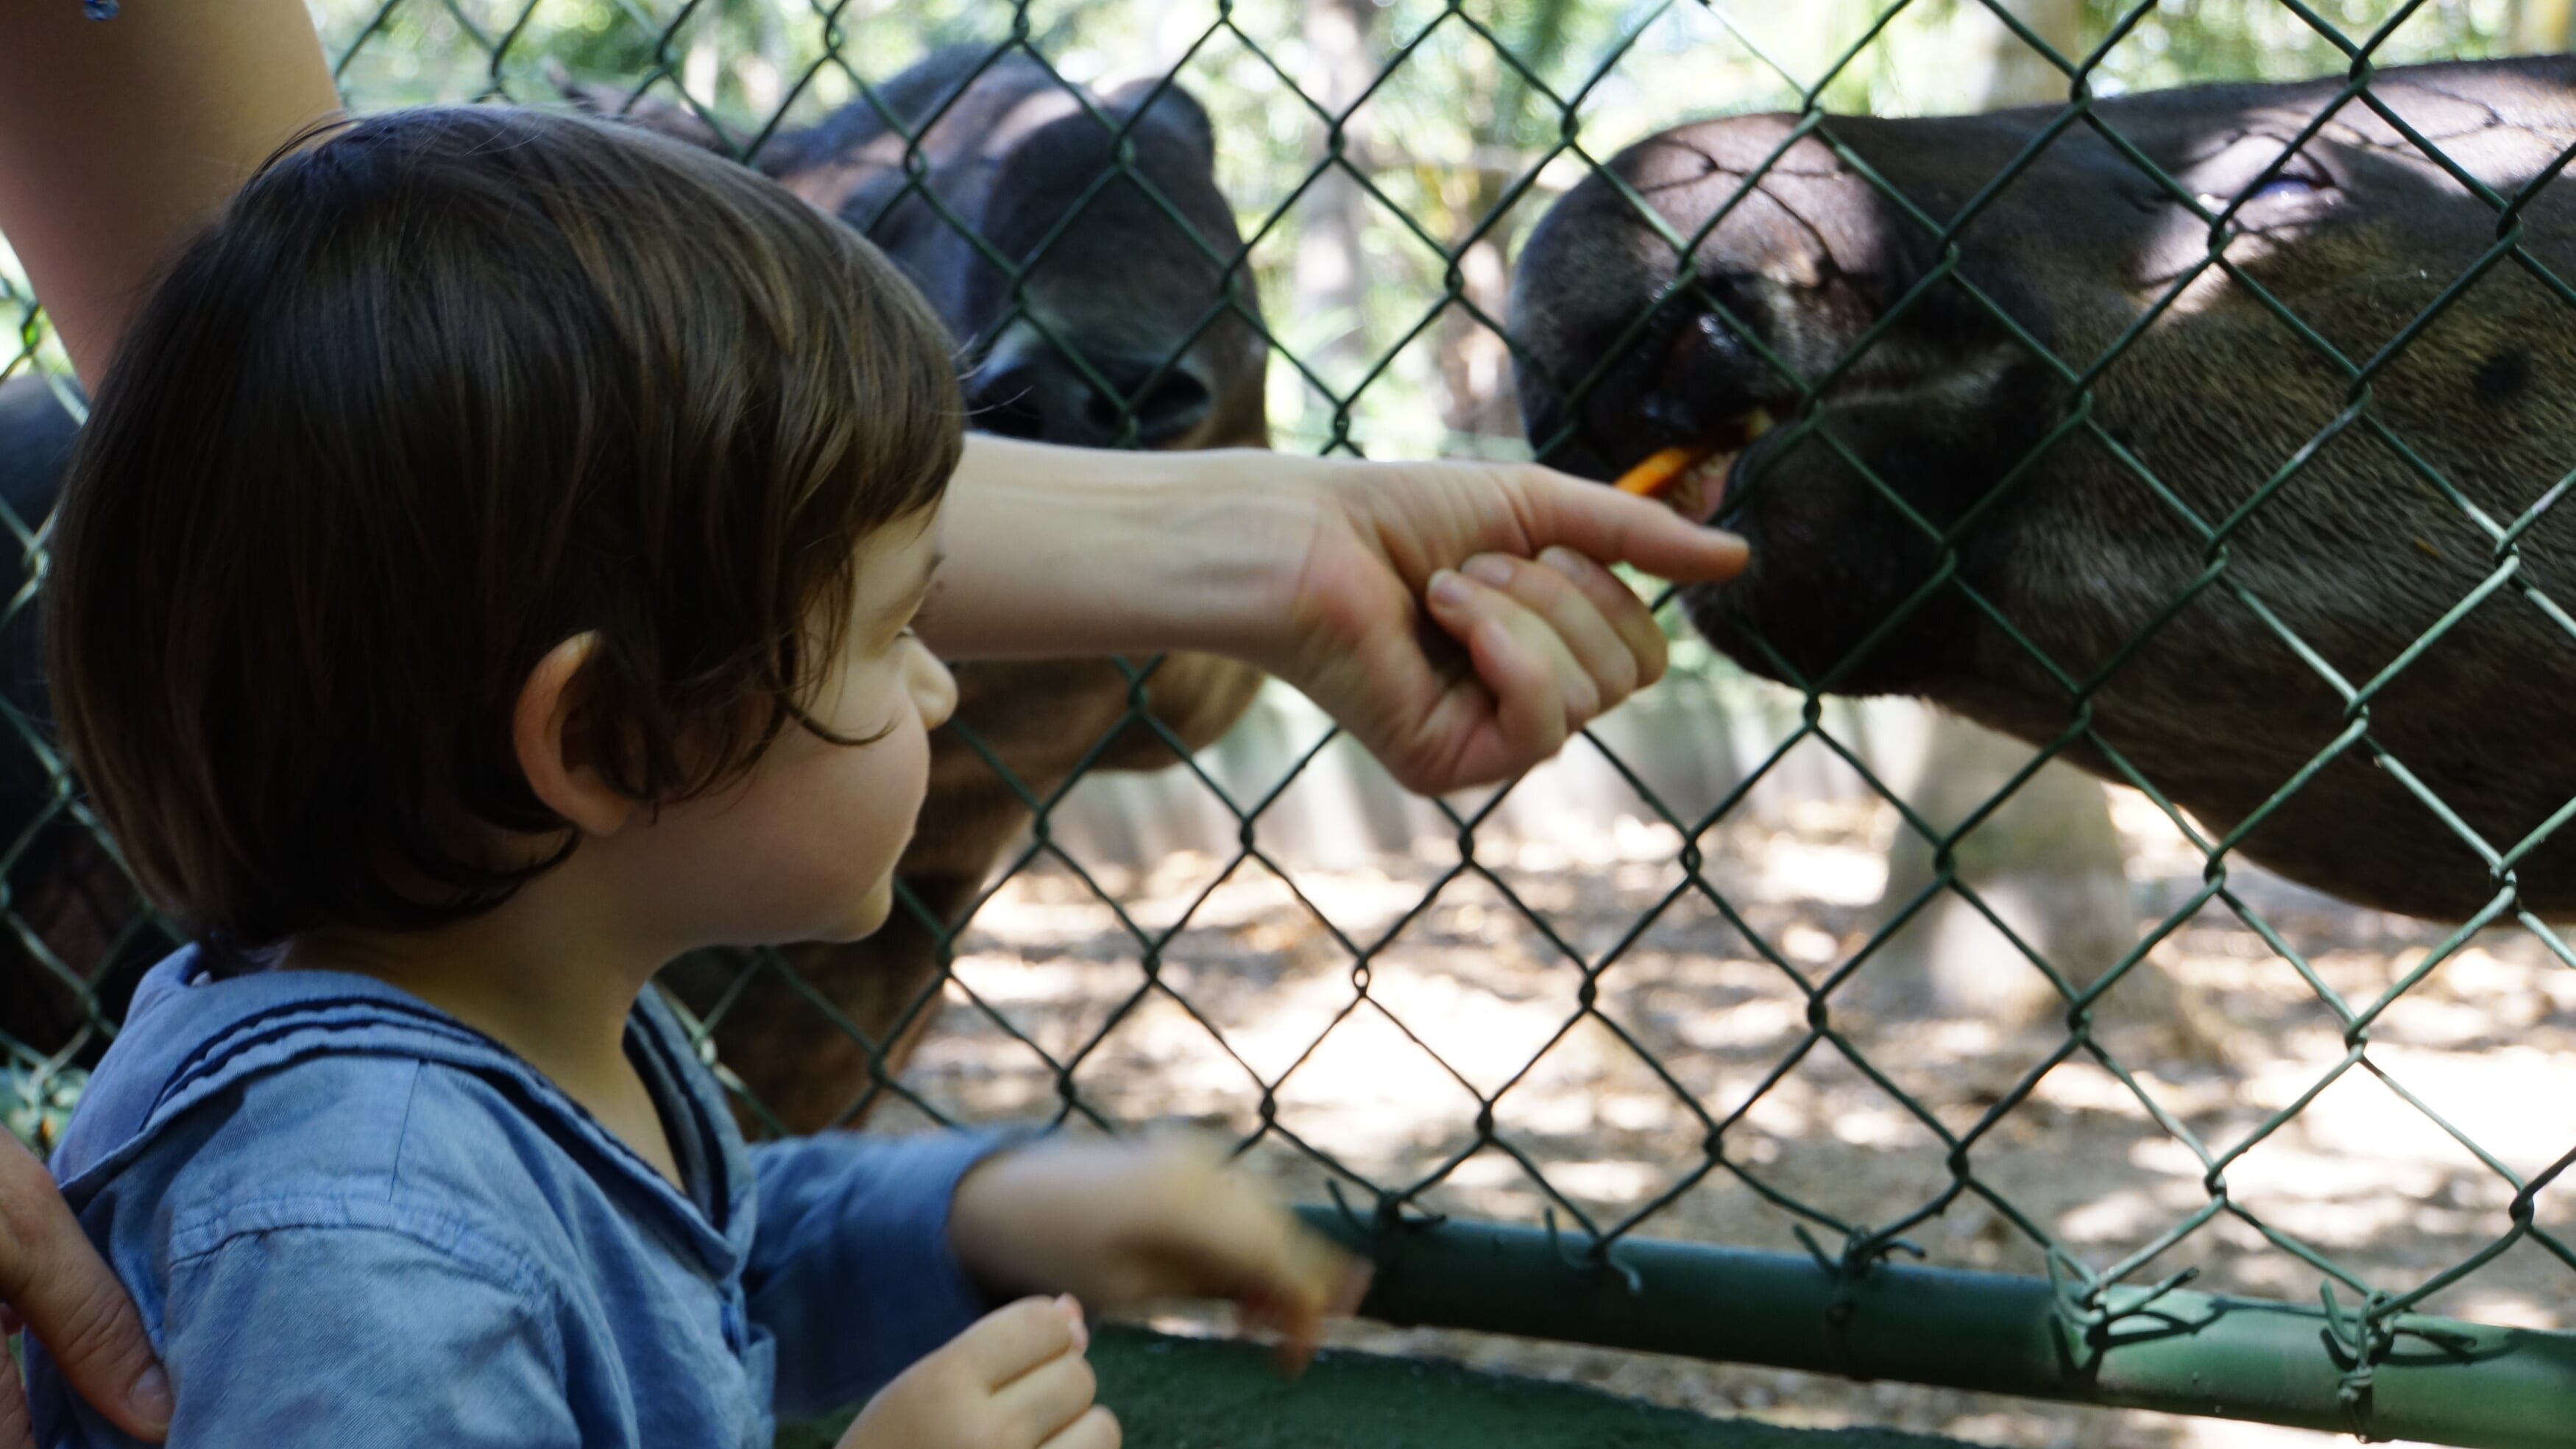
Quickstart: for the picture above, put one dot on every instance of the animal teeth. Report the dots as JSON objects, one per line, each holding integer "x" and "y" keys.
{"x": 1695, "y": 488}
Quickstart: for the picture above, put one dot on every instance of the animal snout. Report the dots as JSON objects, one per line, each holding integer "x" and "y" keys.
{"x": 1690, "y": 381}
{"x": 1118, "y": 400}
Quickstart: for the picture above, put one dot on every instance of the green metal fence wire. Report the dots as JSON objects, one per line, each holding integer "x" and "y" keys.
{"x": 2119, "y": 1331}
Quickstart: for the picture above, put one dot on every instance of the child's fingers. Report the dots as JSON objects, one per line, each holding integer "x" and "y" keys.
{"x": 1046, "y": 1400}
{"x": 1097, "y": 1429}
{"x": 1282, "y": 1275}
{"x": 1257, "y": 1252}
{"x": 1300, "y": 1322}
{"x": 1353, "y": 1291}
{"x": 1012, "y": 1340}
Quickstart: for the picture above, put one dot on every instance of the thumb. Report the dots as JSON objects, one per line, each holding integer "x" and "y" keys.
{"x": 56, "y": 1283}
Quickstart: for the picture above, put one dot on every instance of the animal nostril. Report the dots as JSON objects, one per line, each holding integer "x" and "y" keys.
{"x": 1167, "y": 403}
{"x": 1007, "y": 403}
{"x": 1118, "y": 400}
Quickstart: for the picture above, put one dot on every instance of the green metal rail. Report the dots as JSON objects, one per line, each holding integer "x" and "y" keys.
{"x": 2435, "y": 1380}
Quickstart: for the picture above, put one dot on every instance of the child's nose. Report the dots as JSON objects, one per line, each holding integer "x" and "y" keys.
{"x": 934, "y": 689}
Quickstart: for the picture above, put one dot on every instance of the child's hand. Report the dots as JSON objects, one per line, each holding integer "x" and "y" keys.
{"x": 1015, "y": 1380}
{"x": 1118, "y": 1224}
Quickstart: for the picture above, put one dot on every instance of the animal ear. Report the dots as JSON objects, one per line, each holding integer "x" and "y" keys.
{"x": 1174, "y": 107}
{"x": 652, "y": 113}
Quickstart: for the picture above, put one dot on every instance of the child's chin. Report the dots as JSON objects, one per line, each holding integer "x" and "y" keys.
{"x": 868, "y": 919}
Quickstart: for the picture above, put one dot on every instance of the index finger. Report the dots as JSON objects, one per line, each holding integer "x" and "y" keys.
{"x": 1609, "y": 526}
{"x": 57, "y": 1284}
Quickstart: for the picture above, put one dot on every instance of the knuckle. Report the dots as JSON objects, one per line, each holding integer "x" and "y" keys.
{"x": 1656, "y": 658}
{"x": 1621, "y": 673}
{"x": 84, "y": 1330}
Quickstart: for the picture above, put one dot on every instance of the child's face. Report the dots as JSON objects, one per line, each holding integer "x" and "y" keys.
{"x": 804, "y": 848}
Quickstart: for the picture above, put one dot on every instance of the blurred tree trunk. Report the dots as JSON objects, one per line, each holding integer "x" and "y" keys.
{"x": 2048, "y": 862}
{"x": 1331, "y": 265}
{"x": 2540, "y": 27}
{"x": 1475, "y": 362}
{"x": 760, "y": 68}
{"x": 2018, "y": 75}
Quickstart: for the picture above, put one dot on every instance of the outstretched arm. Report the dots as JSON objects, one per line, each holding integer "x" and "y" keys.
{"x": 1455, "y": 617}
{"x": 121, "y": 139}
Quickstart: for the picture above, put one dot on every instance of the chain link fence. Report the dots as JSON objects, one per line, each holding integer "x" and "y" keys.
{"x": 1636, "y": 1025}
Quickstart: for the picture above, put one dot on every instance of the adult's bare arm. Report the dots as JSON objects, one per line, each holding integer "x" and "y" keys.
{"x": 120, "y": 139}
{"x": 53, "y": 1281}
{"x": 1455, "y": 617}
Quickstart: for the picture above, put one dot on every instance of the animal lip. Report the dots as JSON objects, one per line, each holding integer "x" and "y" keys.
{"x": 1691, "y": 480}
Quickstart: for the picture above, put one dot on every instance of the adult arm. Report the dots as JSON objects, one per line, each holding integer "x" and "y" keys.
{"x": 54, "y": 1282}
{"x": 117, "y": 142}
{"x": 1338, "y": 576}
{"x": 121, "y": 139}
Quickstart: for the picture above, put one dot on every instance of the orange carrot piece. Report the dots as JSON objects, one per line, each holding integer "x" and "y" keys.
{"x": 1652, "y": 477}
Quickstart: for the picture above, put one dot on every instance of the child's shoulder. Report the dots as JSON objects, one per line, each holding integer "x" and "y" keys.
{"x": 283, "y": 1100}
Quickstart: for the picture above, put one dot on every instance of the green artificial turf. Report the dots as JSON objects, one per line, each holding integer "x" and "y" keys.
{"x": 1179, "y": 1393}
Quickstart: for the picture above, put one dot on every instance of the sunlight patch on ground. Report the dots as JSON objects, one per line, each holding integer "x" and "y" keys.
{"x": 1691, "y": 1028}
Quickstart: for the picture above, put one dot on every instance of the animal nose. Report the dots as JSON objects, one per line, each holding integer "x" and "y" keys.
{"x": 1556, "y": 427}
{"x": 1043, "y": 395}
{"x": 1049, "y": 397}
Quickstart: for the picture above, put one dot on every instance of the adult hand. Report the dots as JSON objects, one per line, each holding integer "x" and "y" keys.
{"x": 1509, "y": 562}
{"x": 1458, "y": 618}
{"x": 54, "y": 1283}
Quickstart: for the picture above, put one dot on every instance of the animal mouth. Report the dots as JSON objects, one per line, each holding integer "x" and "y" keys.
{"x": 1692, "y": 479}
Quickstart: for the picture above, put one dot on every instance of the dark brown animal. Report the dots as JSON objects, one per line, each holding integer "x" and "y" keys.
{"x": 2174, "y": 623}
{"x": 1130, "y": 328}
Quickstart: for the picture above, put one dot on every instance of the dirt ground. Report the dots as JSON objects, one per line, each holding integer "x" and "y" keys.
{"x": 1471, "y": 995}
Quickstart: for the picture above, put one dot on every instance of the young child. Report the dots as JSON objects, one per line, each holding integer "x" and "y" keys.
{"x": 487, "y": 575}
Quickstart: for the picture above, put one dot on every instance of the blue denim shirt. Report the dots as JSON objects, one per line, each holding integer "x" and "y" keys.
{"x": 349, "y": 1220}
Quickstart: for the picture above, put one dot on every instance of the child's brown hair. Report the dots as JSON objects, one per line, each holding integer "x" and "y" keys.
{"x": 439, "y": 391}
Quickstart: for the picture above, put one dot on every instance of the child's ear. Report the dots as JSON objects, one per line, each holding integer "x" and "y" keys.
{"x": 550, "y": 751}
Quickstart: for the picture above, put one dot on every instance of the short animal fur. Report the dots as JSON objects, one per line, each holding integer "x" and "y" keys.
{"x": 2358, "y": 554}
